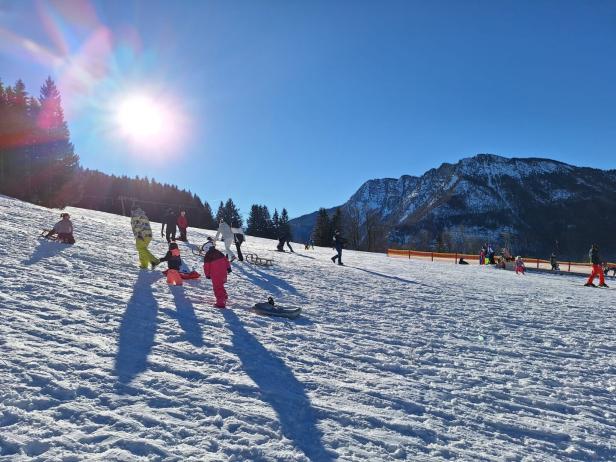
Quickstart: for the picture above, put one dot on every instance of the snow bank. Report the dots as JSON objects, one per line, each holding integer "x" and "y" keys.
{"x": 391, "y": 360}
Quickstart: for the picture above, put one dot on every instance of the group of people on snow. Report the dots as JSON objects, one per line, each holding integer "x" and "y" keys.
{"x": 216, "y": 265}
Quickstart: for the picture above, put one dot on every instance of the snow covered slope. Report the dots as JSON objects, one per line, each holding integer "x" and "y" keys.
{"x": 392, "y": 359}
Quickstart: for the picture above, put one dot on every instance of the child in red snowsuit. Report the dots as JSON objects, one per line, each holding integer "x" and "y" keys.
{"x": 216, "y": 266}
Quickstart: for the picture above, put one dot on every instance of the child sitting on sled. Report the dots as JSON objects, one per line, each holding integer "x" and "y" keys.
{"x": 519, "y": 265}
{"x": 174, "y": 263}
{"x": 216, "y": 266}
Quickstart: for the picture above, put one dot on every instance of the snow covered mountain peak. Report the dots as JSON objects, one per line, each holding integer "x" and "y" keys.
{"x": 482, "y": 198}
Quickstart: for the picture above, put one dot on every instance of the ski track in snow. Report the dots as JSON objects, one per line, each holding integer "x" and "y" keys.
{"x": 391, "y": 359}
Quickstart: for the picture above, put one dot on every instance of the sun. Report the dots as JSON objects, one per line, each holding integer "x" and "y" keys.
{"x": 144, "y": 120}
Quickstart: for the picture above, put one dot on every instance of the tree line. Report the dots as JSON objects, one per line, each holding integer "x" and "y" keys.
{"x": 38, "y": 164}
{"x": 261, "y": 224}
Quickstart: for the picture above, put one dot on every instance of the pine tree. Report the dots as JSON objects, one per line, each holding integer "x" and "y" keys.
{"x": 274, "y": 231}
{"x": 336, "y": 222}
{"x": 220, "y": 213}
{"x": 56, "y": 160}
{"x": 232, "y": 214}
{"x": 322, "y": 232}
{"x": 284, "y": 229}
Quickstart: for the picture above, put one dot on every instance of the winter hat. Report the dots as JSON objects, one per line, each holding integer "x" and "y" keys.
{"x": 172, "y": 245}
{"x": 207, "y": 246}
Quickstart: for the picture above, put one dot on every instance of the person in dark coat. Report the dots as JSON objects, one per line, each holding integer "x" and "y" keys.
{"x": 284, "y": 238}
{"x": 554, "y": 263}
{"x": 597, "y": 268}
{"x": 238, "y": 238}
{"x": 171, "y": 222}
{"x": 338, "y": 242}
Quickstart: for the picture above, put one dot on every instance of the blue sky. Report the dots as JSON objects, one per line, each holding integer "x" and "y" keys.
{"x": 296, "y": 103}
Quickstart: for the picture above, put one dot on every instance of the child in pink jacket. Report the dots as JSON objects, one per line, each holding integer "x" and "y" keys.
{"x": 216, "y": 266}
{"x": 519, "y": 265}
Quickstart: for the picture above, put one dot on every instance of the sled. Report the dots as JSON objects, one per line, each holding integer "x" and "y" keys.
{"x": 256, "y": 260}
{"x": 271, "y": 310}
{"x": 191, "y": 275}
{"x": 198, "y": 250}
{"x": 53, "y": 237}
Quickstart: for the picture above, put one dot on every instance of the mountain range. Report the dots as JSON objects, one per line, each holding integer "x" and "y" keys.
{"x": 533, "y": 206}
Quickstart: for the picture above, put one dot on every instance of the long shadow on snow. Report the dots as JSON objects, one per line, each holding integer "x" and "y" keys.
{"x": 186, "y": 316}
{"x": 137, "y": 329}
{"x": 280, "y": 389}
{"x": 394, "y": 278}
{"x": 45, "y": 249}
{"x": 267, "y": 281}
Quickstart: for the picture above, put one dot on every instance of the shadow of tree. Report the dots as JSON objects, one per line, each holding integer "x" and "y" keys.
{"x": 186, "y": 316}
{"x": 45, "y": 249}
{"x": 280, "y": 389}
{"x": 266, "y": 281}
{"x": 137, "y": 329}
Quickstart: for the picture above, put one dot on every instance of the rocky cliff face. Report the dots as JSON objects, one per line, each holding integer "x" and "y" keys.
{"x": 533, "y": 205}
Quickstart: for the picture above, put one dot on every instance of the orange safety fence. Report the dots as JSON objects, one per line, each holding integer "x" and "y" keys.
{"x": 567, "y": 266}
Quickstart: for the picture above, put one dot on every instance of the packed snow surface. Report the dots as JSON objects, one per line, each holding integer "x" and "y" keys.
{"x": 392, "y": 359}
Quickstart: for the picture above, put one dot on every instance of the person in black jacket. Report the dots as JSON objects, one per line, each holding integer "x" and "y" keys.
{"x": 597, "y": 268}
{"x": 171, "y": 221}
{"x": 174, "y": 262}
{"x": 338, "y": 242}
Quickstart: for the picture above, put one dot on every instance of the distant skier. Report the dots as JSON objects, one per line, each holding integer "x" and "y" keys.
{"x": 171, "y": 222}
{"x": 597, "y": 268}
{"x": 238, "y": 238}
{"x": 554, "y": 263}
{"x": 143, "y": 236}
{"x": 519, "y": 265}
{"x": 183, "y": 225}
{"x": 64, "y": 230}
{"x": 338, "y": 242}
{"x": 216, "y": 266}
{"x": 174, "y": 263}
{"x": 482, "y": 256}
{"x": 225, "y": 231}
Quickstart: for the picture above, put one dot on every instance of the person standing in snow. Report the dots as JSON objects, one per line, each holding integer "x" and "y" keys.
{"x": 216, "y": 266}
{"x": 238, "y": 238}
{"x": 171, "y": 222}
{"x": 282, "y": 240}
{"x": 226, "y": 232}
{"x": 174, "y": 263}
{"x": 554, "y": 263}
{"x": 519, "y": 265}
{"x": 183, "y": 225}
{"x": 143, "y": 236}
{"x": 597, "y": 268}
{"x": 482, "y": 256}
{"x": 338, "y": 242}
{"x": 64, "y": 230}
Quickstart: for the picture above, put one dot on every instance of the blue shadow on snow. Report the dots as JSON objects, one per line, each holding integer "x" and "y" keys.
{"x": 266, "y": 281}
{"x": 186, "y": 316}
{"x": 46, "y": 249}
{"x": 137, "y": 329}
{"x": 280, "y": 389}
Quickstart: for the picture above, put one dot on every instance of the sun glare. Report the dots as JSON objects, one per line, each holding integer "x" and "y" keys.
{"x": 143, "y": 120}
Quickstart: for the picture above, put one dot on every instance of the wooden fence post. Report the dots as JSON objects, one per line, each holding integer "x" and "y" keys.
{"x": 569, "y": 270}
{"x": 432, "y": 256}
{"x": 455, "y": 261}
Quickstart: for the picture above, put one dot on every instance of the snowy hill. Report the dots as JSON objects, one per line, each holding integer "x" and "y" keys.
{"x": 533, "y": 201}
{"x": 391, "y": 360}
